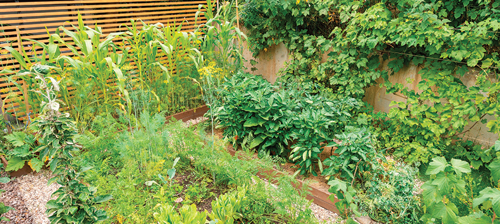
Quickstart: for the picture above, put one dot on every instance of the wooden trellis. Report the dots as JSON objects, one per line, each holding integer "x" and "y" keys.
{"x": 20, "y": 20}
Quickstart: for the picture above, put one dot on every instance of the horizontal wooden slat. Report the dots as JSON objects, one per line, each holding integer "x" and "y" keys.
{"x": 107, "y": 21}
{"x": 86, "y": 17}
{"x": 65, "y": 13}
{"x": 99, "y": 1}
{"x": 76, "y": 7}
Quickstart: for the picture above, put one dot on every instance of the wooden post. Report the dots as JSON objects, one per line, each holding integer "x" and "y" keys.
{"x": 25, "y": 87}
{"x": 237, "y": 16}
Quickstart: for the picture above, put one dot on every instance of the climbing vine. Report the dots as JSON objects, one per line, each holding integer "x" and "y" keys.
{"x": 343, "y": 45}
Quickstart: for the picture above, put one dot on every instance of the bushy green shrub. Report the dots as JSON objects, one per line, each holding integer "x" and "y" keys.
{"x": 274, "y": 118}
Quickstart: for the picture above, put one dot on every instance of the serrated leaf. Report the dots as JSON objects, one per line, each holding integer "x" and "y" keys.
{"x": 16, "y": 138}
{"x": 36, "y": 164}
{"x": 14, "y": 164}
{"x": 437, "y": 165}
{"x": 488, "y": 194}
{"x": 476, "y": 218}
{"x": 495, "y": 170}
{"x": 336, "y": 185}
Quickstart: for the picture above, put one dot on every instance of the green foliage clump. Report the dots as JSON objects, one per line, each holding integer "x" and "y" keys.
{"x": 55, "y": 133}
{"x": 136, "y": 168}
{"x": 274, "y": 118}
{"x": 447, "y": 40}
{"x": 447, "y": 189}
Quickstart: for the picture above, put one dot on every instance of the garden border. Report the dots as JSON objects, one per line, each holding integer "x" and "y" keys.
{"x": 318, "y": 196}
{"x": 189, "y": 114}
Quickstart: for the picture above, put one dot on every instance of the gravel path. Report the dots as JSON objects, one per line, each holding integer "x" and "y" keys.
{"x": 28, "y": 195}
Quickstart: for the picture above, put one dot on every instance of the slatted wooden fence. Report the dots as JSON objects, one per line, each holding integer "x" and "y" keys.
{"x": 21, "y": 20}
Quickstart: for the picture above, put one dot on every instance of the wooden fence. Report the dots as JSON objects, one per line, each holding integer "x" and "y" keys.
{"x": 21, "y": 20}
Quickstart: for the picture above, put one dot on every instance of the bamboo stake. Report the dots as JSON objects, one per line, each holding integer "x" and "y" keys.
{"x": 25, "y": 87}
{"x": 237, "y": 15}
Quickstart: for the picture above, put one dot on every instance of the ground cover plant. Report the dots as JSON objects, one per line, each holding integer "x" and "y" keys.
{"x": 157, "y": 171}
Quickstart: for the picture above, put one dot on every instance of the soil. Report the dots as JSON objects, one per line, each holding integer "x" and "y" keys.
{"x": 187, "y": 179}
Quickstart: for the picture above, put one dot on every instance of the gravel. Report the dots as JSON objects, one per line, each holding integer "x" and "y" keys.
{"x": 28, "y": 194}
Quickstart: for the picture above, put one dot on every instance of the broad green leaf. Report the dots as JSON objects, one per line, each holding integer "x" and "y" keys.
{"x": 253, "y": 121}
{"x": 495, "y": 169}
{"x": 171, "y": 173}
{"x": 336, "y": 185}
{"x": 497, "y": 145}
{"x": 52, "y": 204}
{"x": 460, "y": 166}
{"x": 36, "y": 164}
{"x": 437, "y": 165}
{"x": 476, "y": 218}
{"x": 488, "y": 194}
{"x": 256, "y": 141}
{"x": 4, "y": 180}
{"x": 450, "y": 215}
{"x": 102, "y": 198}
{"x": 16, "y": 138}
{"x": 14, "y": 164}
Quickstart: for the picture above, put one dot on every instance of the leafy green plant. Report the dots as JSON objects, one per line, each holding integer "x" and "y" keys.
{"x": 447, "y": 183}
{"x": 356, "y": 155}
{"x": 186, "y": 215}
{"x": 226, "y": 209}
{"x": 24, "y": 151}
{"x": 56, "y": 132}
{"x": 346, "y": 194}
{"x": 271, "y": 118}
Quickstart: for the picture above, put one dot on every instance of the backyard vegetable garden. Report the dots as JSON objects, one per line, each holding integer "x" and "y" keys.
{"x": 114, "y": 125}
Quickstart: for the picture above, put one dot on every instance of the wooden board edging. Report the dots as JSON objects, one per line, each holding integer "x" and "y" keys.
{"x": 318, "y": 196}
{"x": 189, "y": 114}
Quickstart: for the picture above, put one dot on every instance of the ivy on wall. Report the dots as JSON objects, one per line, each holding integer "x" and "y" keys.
{"x": 447, "y": 39}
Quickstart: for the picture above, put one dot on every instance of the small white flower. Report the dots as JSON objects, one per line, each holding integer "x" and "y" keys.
{"x": 54, "y": 106}
{"x": 178, "y": 200}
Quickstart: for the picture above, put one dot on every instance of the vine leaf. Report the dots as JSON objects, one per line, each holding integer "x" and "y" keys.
{"x": 488, "y": 194}
{"x": 495, "y": 170}
{"x": 437, "y": 165}
{"x": 460, "y": 166}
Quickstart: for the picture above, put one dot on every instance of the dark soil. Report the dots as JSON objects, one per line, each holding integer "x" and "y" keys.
{"x": 188, "y": 178}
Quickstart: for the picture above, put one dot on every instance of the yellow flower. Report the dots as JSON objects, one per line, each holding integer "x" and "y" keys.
{"x": 298, "y": 1}
{"x": 119, "y": 217}
{"x": 29, "y": 163}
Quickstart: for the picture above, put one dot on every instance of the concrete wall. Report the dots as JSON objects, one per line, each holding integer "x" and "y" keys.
{"x": 274, "y": 58}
